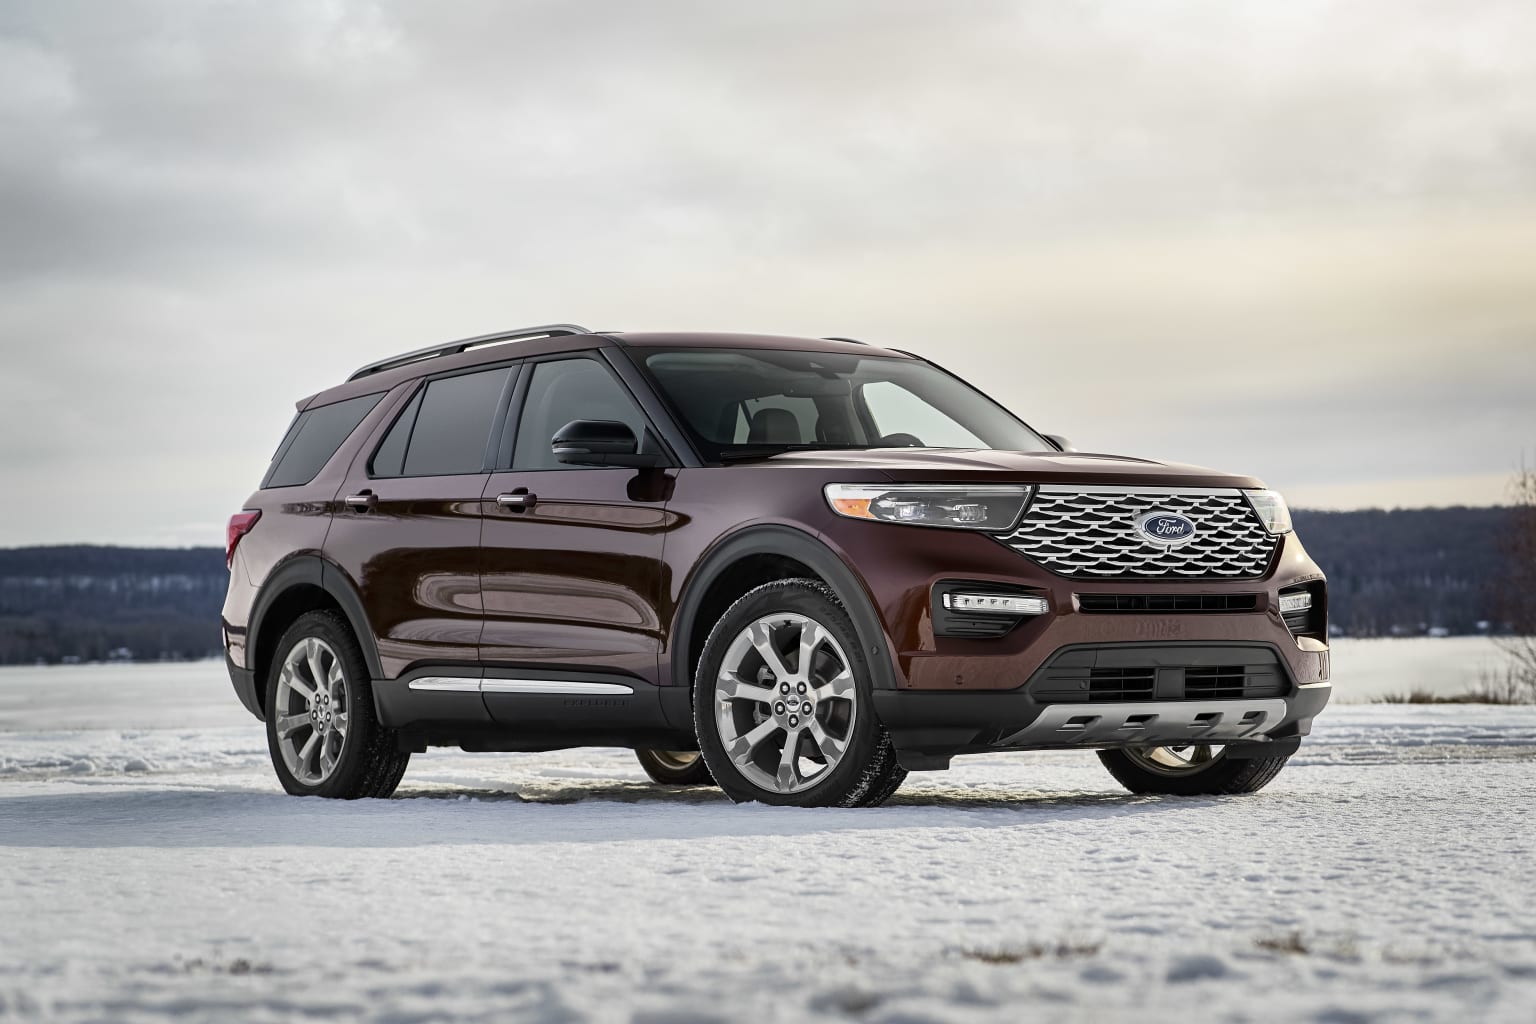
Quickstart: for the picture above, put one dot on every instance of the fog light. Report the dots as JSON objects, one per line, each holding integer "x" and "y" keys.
{"x": 1295, "y": 602}
{"x": 996, "y": 604}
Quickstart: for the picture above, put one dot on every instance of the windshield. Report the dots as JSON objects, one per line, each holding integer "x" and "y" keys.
{"x": 741, "y": 402}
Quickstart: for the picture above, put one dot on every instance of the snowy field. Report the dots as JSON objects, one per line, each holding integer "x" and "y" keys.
{"x": 151, "y": 870}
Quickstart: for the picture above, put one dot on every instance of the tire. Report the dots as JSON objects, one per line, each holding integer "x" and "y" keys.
{"x": 888, "y": 779}
{"x": 1155, "y": 770}
{"x": 675, "y": 767}
{"x": 332, "y": 745}
{"x": 799, "y": 736}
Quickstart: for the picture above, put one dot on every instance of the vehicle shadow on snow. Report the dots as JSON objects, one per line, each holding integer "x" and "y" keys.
{"x": 529, "y": 814}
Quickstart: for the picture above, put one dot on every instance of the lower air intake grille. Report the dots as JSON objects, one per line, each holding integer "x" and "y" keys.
{"x": 1121, "y": 683}
{"x": 1156, "y": 603}
{"x": 1130, "y": 673}
{"x": 1218, "y": 682}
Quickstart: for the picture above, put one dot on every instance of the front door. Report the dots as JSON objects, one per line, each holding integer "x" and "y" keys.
{"x": 570, "y": 565}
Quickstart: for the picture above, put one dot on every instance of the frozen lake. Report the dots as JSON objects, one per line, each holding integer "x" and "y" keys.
{"x": 1367, "y": 670}
{"x": 152, "y": 870}
{"x": 93, "y": 696}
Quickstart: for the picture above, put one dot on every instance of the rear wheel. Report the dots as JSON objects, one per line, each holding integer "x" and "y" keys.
{"x": 1195, "y": 769}
{"x": 675, "y": 767}
{"x": 782, "y": 703}
{"x": 321, "y": 729}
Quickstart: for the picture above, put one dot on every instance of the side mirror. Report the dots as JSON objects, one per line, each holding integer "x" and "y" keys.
{"x": 1060, "y": 442}
{"x": 600, "y": 443}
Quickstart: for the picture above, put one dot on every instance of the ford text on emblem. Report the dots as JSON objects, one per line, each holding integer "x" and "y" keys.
{"x": 1168, "y": 529}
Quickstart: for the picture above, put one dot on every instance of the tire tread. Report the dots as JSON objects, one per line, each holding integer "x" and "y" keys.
{"x": 1226, "y": 778}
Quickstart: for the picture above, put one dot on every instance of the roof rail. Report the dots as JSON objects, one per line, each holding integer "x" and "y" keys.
{"x": 464, "y": 345}
{"x": 851, "y": 341}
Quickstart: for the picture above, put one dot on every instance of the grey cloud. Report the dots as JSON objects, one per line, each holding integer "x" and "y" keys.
{"x": 208, "y": 211}
{"x": 237, "y": 126}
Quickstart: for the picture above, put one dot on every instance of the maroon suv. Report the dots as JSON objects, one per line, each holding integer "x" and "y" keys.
{"x": 800, "y": 568}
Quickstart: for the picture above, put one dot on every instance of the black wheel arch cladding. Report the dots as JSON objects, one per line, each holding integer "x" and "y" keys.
{"x": 802, "y": 547}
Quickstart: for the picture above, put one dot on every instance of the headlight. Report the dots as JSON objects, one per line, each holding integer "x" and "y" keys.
{"x": 965, "y": 508}
{"x": 1271, "y": 509}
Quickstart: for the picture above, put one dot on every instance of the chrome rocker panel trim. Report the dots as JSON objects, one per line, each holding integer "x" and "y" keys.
{"x": 460, "y": 684}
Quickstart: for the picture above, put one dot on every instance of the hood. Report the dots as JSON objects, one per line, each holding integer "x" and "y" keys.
{"x": 931, "y": 465}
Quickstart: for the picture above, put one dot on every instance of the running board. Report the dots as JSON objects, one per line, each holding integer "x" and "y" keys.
{"x": 496, "y": 702}
{"x": 1154, "y": 723}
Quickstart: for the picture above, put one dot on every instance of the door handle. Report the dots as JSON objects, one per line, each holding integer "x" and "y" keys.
{"x": 516, "y": 501}
{"x": 362, "y": 501}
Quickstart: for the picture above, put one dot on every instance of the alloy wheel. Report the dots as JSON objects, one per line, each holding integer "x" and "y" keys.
{"x": 1181, "y": 760}
{"x": 677, "y": 760}
{"x": 313, "y": 709}
{"x": 785, "y": 702}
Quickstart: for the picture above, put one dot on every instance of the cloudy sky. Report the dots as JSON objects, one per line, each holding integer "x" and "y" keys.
{"x": 1294, "y": 239}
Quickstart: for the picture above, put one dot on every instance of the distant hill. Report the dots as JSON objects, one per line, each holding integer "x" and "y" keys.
{"x": 89, "y": 602}
{"x": 1390, "y": 572}
{"x": 1407, "y": 571}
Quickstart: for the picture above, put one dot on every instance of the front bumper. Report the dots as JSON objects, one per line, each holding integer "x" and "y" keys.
{"x": 1062, "y": 706}
{"x": 901, "y": 566}
{"x": 972, "y": 722}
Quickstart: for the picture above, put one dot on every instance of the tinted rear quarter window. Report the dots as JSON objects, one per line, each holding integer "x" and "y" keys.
{"x": 389, "y": 460}
{"x": 314, "y": 437}
{"x": 443, "y": 431}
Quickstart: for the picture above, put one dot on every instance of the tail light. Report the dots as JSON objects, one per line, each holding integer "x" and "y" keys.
{"x": 239, "y": 525}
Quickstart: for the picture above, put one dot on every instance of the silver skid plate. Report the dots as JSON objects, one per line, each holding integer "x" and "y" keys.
{"x": 1152, "y": 723}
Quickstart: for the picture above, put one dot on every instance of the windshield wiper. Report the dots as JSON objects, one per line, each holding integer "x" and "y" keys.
{"x": 748, "y": 452}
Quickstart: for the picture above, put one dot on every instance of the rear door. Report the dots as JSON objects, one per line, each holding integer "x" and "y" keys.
{"x": 571, "y": 563}
{"x": 408, "y": 529}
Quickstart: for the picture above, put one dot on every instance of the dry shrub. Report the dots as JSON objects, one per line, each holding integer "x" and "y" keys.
{"x": 1517, "y": 591}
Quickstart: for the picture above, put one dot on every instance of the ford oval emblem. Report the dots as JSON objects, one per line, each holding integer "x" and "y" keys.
{"x": 1166, "y": 529}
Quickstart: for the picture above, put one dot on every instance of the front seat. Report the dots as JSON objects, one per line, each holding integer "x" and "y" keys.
{"x": 773, "y": 426}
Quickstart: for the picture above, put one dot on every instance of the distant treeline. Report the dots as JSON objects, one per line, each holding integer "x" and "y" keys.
{"x": 1409, "y": 571}
{"x": 1403, "y": 572}
{"x": 95, "y": 603}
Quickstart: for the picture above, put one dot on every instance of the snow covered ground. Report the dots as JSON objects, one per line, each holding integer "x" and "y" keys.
{"x": 150, "y": 869}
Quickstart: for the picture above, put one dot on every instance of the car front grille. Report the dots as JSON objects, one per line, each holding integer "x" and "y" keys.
{"x": 1092, "y": 534}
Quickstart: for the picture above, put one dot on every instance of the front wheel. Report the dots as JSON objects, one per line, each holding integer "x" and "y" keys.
{"x": 783, "y": 707}
{"x": 675, "y": 767}
{"x": 1196, "y": 769}
{"x": 322, "y": 732}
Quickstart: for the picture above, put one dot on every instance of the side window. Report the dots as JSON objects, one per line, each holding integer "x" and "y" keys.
{"x": 444, "y": 429}
{"x": 389, "y": 460}
{"x": 564, "y": 390}
{"x": 314, "y": 438}
{"x": 898, "y": 412}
